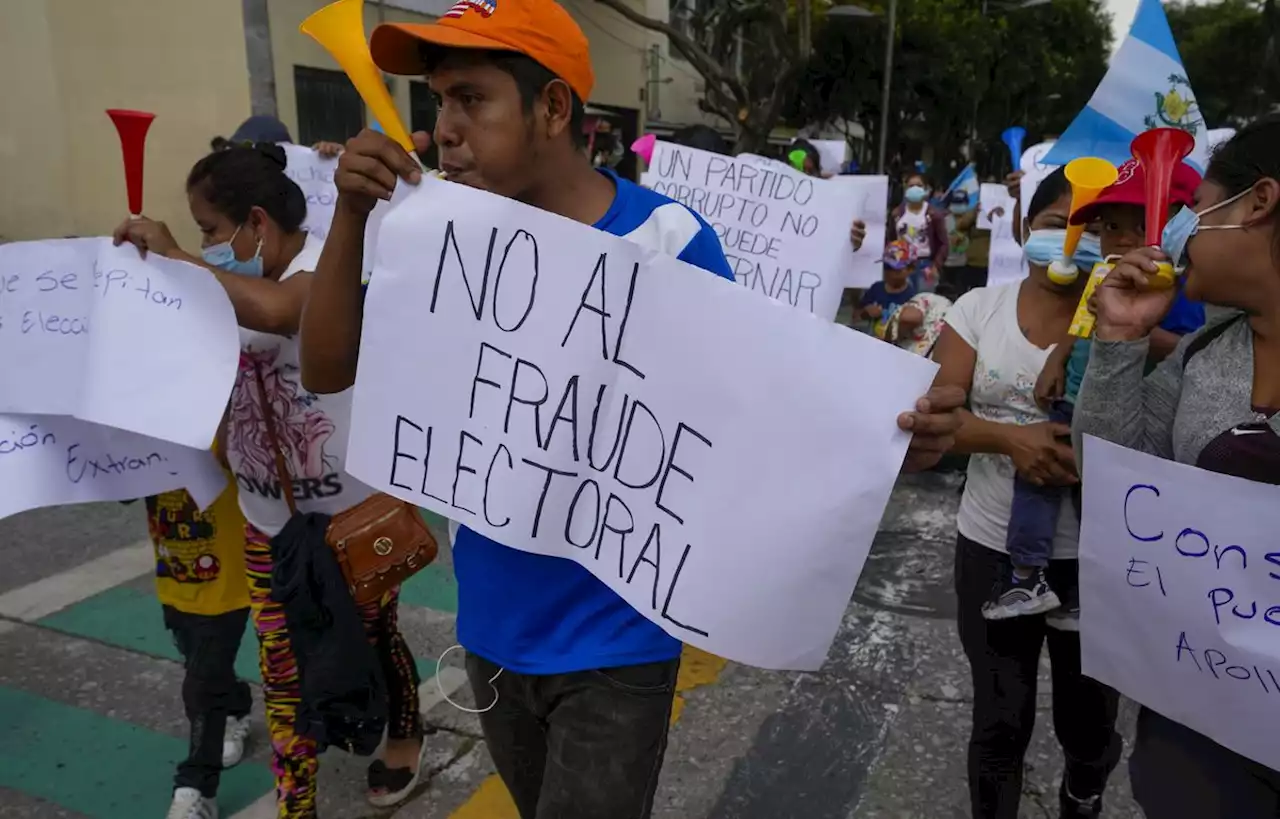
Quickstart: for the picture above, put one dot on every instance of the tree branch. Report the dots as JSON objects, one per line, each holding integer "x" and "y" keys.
{"x": 704, "y": 63}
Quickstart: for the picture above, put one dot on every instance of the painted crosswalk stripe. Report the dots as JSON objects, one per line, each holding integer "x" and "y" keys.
{"x": 43, "y": 597}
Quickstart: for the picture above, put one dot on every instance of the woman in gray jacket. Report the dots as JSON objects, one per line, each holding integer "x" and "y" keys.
{"x": 1214, "y": 403}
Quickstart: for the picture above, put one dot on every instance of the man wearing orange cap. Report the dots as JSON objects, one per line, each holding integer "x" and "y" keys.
{"x": 576, "y": 684}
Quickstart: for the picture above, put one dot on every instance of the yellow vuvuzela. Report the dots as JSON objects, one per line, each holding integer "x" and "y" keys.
{"x": 1088, "y": 176}
{"x": 339, "y": 27}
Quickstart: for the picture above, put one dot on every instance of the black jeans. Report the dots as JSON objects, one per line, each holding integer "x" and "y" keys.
{"x": 1004, "y": 657}
{"x": 585, "y": 745}
{"x": 210, "y": 690}
{"x": 1178, "y": 773}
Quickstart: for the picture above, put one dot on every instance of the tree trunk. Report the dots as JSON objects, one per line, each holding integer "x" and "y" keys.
{"x": 750, "y": 140}
{"x": 262, "y": 69}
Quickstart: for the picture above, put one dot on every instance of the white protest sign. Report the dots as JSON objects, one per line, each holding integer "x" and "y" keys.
{"x": 1006, "y": 262}
{"x": 47, "y": 460}
{"x": 995, "y": 209}
{"x": 314, "y": 174}
{"x": 831, "y": 152}
{"x": 872, "y": 195}
{"x": 699, "y": 449}
{"x": 44, "y": 321}
{"x": 785, "y": 234}
{"x": 106, "y": 336}
{"x": 163, "y": 350}
{"x": 1180, "y": 594}
{"x": 1034, "y": 171}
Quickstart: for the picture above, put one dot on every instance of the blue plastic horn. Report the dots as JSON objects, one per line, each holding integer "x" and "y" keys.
{"x": 1013, "y": 137}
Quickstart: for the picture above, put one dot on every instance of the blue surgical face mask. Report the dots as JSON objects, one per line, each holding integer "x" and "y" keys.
{"x": 1043, "y": 247}
{"x": 959, "y": 209}
{"x": 915, "y": 194}
{"x": 1185, "y": 224}
{"x": 223, "y": 257}
{"x": 1088, "y": 251}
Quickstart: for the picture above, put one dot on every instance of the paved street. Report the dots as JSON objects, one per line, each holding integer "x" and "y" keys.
{"x": 91, "y": 720}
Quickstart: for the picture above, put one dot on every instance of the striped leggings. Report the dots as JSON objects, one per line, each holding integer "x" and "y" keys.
{"x": 293, "y": 757}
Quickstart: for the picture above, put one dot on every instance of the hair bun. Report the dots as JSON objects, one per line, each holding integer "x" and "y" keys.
{"x": 273, "y": 152}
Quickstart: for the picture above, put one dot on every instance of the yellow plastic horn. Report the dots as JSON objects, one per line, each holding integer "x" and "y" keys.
{"x": 1088, "y": 176}
{"x": 339, "y": 27}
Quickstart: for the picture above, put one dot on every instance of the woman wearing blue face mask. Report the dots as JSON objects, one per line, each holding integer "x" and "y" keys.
{"x": 994, "y": 345}
{"x": 250, "y": 217}
{"x": 925, "y": 227}
{"x": 1214, "y": 403}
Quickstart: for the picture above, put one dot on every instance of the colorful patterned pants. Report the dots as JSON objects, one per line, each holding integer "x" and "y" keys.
{"x": 293, "y": 758}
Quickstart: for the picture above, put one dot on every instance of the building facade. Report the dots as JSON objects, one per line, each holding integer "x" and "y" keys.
{"x": 67, "y": 61}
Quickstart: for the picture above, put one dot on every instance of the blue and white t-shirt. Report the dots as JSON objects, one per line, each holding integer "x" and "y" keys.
{"x": 535, "y": 614}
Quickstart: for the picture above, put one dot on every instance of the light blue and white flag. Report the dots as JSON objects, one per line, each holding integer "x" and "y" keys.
{"x": 966, "y": 181}
{"x": 1146, "y": 87}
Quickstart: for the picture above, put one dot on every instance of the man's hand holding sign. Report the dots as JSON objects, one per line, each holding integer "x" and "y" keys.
{"x": 567, "y": 402}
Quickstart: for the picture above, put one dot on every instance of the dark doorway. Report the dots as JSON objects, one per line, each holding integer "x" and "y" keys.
{"x": 329, "y": 107}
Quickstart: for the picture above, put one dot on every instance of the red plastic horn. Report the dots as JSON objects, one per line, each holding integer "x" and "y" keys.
{"x": 132, "y": 127}
{"x": 1159, "y": 151}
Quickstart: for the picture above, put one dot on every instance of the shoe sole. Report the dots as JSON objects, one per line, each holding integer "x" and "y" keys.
{"x": 390, "y": 800}
{"x": 1036, "y": 605}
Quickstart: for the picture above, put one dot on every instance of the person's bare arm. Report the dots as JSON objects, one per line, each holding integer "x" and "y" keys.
{"x": 332, "y": 318}
{"x": 330, "y": 343}
{"x": 260, "y": 304}
{"x": 1013, "y": 183}
{"x": 1035, "y": 449}
{"x": 956, "y": 360}
{"x": 1052, "y": 383}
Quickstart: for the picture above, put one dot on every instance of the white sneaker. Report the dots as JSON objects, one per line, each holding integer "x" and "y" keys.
{"x": 236, "y": 732}
{"x": 189, "y": 804}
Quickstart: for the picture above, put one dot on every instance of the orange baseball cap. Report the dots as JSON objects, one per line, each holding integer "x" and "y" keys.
{"x": 539, "y": 29}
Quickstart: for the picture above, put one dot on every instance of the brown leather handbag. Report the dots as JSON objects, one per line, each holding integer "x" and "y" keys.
{"x": 379, "y": 543}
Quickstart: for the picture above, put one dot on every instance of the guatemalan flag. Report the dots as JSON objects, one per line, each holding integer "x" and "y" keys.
{"x": 967, "y": 181}
{"x": 1146, "y": 87}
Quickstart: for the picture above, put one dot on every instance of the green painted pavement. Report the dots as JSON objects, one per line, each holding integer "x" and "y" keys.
{"x": 129, "y": 618}
{"x": 102, "y": 767}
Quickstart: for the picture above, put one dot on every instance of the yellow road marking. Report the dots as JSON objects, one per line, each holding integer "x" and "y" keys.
{"x": 491, "y": 800}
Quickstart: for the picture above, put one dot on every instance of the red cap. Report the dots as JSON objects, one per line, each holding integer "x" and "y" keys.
{"x": 539, "y": 29}
{"x": 1128, "y": 190}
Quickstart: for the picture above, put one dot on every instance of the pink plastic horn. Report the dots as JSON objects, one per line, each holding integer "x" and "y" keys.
{"x": 643, "y": 147}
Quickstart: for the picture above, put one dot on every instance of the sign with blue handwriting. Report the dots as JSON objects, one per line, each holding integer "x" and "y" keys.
{"x": 700, "y": 450}
{"x": 1180, "y": 594}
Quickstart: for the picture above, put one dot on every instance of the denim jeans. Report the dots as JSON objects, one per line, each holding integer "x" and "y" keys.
{"x": 584, "y": 745}
{"x": 210, "y": 691}
{"x": 1033, "y": 518}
